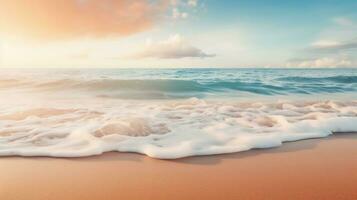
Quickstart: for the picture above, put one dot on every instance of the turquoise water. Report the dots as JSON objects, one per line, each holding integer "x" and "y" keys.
{"x": 186, "y": 83}
{"x": 170, "y": 113}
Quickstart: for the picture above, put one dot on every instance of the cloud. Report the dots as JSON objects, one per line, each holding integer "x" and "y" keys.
{"x": 343, "y": 21}
{"x": 181, "y": 9}
{"x": 66, "y": 19}
{"x": 324, "y": 44}
{"x": 327, "y": 53}
{"x": 339, "y": 39}
{"x": 176, "y": 14}
{"x": 333, "y": 46}
{"x": 191, "y": 3}
{"x": 336, "y": 47}
{"x": 322, "y": 62}
{"x": 173, "y": 48}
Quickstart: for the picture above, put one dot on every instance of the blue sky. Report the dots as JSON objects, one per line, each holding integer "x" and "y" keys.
{"x": 194, "y": 33}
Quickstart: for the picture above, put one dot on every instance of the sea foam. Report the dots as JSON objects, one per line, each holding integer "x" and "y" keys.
{"x": 170, "y": 113}
{"x": 167, "y": 129}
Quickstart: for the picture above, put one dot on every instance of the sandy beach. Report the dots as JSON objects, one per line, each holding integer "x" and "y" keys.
{"x": 178, "y": 100}
{"x": 311, "y": 169}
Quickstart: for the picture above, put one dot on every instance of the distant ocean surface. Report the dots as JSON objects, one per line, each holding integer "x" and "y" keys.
{"x": 170, "y": 113}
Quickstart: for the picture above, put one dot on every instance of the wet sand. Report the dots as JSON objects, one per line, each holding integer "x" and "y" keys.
{"x": 310, "y": 169}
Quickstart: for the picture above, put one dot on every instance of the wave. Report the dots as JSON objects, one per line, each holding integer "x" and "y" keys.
{"x": 169, "y": 114}
{"x": 166, "y": 130}
{"x": 334, "y": 79}
{"x": 176, "y": 88}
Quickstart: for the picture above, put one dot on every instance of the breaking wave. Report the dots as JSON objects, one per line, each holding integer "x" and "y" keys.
{"x": 170, "y": 114}
{"x": 333, "y": 79}
{"x": 168, "y": 130}
{"x": 175, "y": 88}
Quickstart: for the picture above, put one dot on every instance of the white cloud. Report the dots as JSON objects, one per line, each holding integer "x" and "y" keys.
{"x": 343, "y": 21}
{"x": 176, "y": 14}
{"x": 172, "y": 48}
{"x": 325, "y": 44}
{"x": 343, "y": 35}
{"x": 191, "y": 3}
{"x": 322, "y": 62}
{"x": 336, "y": 47}
{"x": 181, "y": 9}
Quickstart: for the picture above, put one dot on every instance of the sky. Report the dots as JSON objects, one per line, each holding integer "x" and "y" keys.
{"x": 178, "y": 33}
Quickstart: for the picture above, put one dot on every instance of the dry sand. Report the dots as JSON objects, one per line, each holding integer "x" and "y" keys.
{"x": 310, "y": 169}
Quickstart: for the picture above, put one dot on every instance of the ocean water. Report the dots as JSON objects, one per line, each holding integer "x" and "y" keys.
{"x": 170, "y": 113}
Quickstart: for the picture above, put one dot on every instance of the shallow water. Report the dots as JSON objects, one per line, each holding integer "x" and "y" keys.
{"x": 170, "y": 113}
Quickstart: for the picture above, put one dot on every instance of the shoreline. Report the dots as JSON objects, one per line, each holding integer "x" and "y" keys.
{"x": 309, "y": 169}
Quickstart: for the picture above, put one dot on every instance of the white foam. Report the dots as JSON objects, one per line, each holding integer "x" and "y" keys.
{"x": 162, "y": 129}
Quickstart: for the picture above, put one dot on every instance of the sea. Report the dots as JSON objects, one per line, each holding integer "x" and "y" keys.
{"x": 170, "y": 113}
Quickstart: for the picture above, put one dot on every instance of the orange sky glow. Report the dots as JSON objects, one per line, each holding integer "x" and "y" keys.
{"x": 62, "y": 19}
